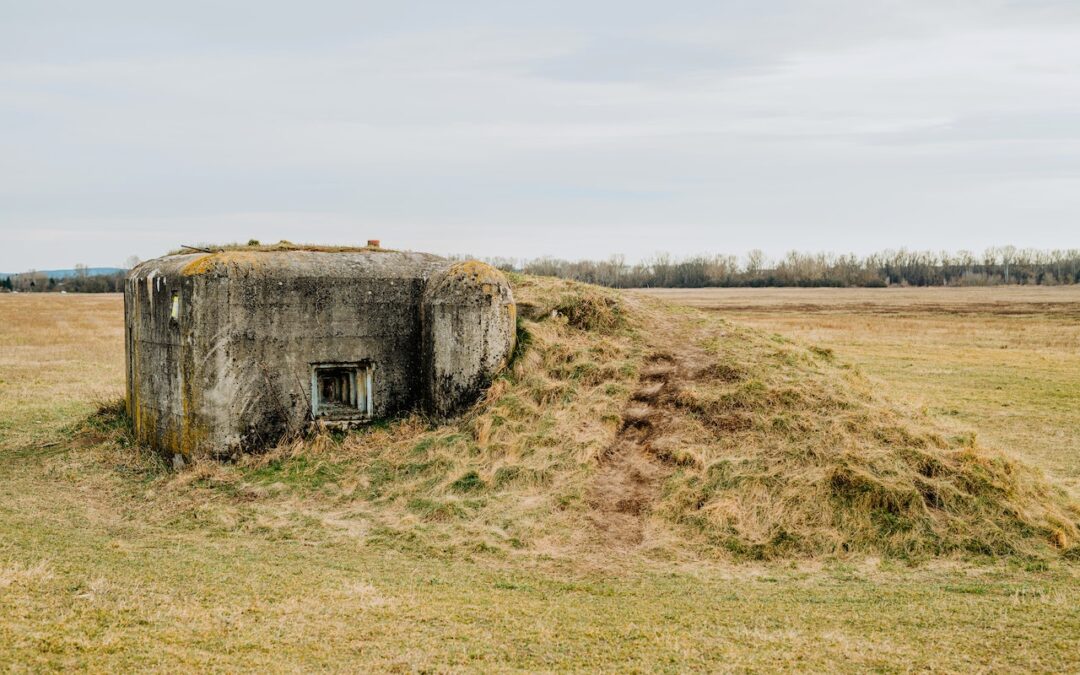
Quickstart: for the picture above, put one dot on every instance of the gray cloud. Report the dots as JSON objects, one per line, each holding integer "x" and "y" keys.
{"x": 572, "y": 129}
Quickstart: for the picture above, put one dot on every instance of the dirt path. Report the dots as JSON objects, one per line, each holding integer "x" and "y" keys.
{"x": 632, "y": 469}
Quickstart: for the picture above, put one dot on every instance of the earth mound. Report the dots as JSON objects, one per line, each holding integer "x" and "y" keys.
{"x": 625, "y": 424}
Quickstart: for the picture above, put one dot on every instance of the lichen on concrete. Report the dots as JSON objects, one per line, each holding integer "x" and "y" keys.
{"x": 236, "y": 367}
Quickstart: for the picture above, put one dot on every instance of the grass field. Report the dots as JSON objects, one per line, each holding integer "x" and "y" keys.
{"x": 110, "y": 562}
{"x": 1002, "y": 361}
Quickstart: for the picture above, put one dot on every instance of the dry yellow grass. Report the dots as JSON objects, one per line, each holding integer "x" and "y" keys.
{"x": 59, "y": 355}
{"x": 279, "y": 246}
{"x": 911, "y": 299}
{"x": 1004, "y": 361}
{"x": 628, "y": 424}
{"x": 331, "y": 556}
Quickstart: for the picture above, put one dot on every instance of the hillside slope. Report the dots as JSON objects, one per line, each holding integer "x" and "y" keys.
{"x": 626, "y": 424}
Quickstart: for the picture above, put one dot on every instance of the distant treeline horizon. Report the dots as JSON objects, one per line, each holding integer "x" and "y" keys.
{"x": 1006, "y": 265}
{"x": 84, "y": 280}
{"x": 994, "y": 266}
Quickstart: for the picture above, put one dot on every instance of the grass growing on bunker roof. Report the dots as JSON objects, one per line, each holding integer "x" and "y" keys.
{"x": 625, "y": 424}
{"x": 283, "y": 245}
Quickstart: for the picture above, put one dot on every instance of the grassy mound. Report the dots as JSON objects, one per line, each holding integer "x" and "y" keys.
{"x": 626, "y": 423}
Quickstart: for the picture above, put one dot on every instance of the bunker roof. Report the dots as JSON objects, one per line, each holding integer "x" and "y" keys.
{"x": 295, "y": 262}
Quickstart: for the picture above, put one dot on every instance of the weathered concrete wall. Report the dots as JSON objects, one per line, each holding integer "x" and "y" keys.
{"x": 158, "y": 359}
{"x": 469, "y": 322}
{"x": 233, "y": 369}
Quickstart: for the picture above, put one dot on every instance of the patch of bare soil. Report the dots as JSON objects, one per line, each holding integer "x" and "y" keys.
{"x": 633, "y": 468}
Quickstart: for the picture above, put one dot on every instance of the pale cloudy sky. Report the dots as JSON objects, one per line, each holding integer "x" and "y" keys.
{"x": 575, "y": 129}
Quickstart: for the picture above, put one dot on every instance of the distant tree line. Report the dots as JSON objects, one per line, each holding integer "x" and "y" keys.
{"x": 995, "y": 266}
{"x": 80, "y": 282}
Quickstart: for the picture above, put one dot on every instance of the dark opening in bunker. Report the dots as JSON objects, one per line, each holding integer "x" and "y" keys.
{"x": 341, "y": 391}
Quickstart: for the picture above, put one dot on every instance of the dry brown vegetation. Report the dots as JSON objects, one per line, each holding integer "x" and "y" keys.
{"x": 1002, "y": 362}
{"x": 58, "y": 353}
{"x": 282, "y": 245}
{"x": 599, "y": 508}
{"x": 998, "y": 300}
{"x": 675, "y": 433}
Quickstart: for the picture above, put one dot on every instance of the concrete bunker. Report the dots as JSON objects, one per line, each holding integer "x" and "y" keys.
{"x": 229, "y": 351}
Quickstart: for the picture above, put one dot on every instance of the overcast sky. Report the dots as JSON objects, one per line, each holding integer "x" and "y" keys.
{"x": 575, "y": 129}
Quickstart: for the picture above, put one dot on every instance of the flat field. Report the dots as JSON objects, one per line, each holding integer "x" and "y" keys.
{"x": 109, "y": 561}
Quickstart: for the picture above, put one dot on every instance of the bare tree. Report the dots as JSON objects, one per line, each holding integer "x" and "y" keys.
{"x": 892, "y": 267}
